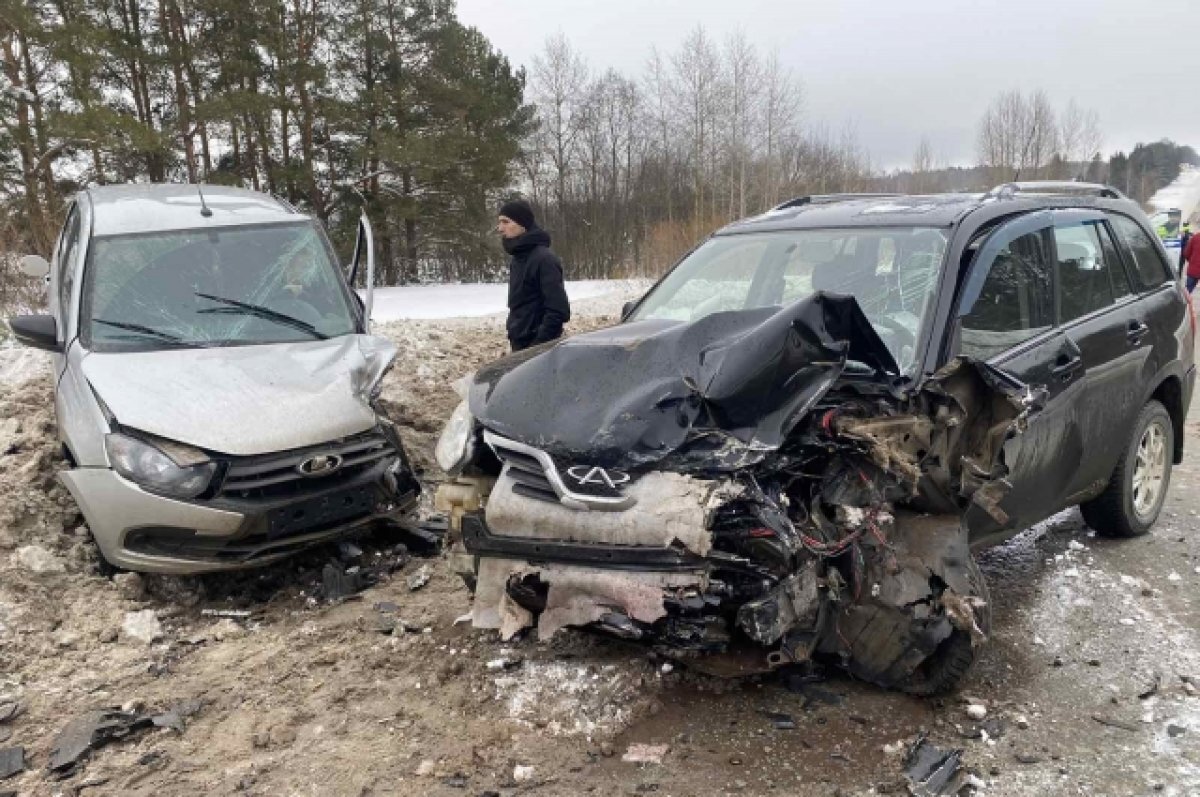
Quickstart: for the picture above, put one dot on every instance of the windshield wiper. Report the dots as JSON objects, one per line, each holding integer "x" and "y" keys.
{"x": 261, "y": 312}
{"x": 141, "y": 329}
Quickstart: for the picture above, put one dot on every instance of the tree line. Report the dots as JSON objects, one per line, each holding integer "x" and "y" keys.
{"x": 395, "y": 107}
{"x": 335, "y": 105}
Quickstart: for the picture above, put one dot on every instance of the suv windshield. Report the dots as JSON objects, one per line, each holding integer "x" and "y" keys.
{"x": 892, "y": 272}
{"x": 221, "y": 287}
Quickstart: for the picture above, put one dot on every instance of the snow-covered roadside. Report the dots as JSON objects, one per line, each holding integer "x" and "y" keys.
{"x": 20, "y": 364}
{"x": 471, "y": 300}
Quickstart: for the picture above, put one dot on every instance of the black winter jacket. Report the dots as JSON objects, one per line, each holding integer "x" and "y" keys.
{"x": 537, "y": 300}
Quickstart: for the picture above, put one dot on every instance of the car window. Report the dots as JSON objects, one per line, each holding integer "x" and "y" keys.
{"x": 1015, "y": 302}
{"x": 1149, "y": 268}
{"x": 226, "y": 286}
{"x": 66, "y": 261}
{"x": 723, "y": 269}
{"x": 1084, "y": 270}
{"x": 891, "y": 272}
{"x": 1117, "y": 272}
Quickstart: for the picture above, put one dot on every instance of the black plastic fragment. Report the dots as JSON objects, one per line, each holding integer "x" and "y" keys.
{"x": 781, "y": 721}
{"x": 339, "y": 584}
{"x": 930, "y": 769}
{"x": 12, "y": 761}
{"x": 94, "y": 729}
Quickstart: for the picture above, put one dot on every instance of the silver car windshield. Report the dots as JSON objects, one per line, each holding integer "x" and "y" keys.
{"x": 892, "y": 272}
{"x": 222, "y": 287}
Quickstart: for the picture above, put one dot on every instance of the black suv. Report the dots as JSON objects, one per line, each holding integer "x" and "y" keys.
{"x": 797, "y": 436}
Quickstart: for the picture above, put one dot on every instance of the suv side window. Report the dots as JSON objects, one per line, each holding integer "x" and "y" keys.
{"x": 1112, "y": 255}
{"x": 66, "y": 262}
{"x": 1149, "y": 269}
{"x": 1016, "y": 301}
{"x": 1084, "y": 270}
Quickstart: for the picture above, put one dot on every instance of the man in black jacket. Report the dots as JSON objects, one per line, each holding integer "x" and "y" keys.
{"x": 537, "y": 300}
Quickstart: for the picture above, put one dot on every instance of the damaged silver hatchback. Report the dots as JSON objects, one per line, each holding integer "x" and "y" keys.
{"x": 215, "y": 382}
{"x": 791, "y": 445}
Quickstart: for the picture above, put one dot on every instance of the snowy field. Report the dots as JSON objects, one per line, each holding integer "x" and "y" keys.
{"x": 468, "y": 300}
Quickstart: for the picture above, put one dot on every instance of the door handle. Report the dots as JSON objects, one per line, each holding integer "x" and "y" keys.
{"x": 1137, "y": 330}
{"x": 1065, "y": 366}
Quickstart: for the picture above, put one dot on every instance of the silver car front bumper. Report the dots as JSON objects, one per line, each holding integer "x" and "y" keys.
{"x": 138, "y": 530}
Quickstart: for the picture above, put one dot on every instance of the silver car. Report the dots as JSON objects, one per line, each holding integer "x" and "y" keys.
{"x": 215, "y": 379}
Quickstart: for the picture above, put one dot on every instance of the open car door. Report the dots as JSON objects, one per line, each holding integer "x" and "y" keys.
{"x": 364, "y": 257}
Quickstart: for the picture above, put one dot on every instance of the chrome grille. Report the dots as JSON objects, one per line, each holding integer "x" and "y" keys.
{"x": 277, "y": 474}
{"x": 535, "y": 475}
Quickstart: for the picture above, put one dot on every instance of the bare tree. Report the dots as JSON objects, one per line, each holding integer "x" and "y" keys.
{"x": 559, "y": 80}
{"x": 743, "y": 77}
{"x": 1080, "y": 138}
{"x": 922, "y": 165}
{"x": 697, "y": 71}
{"x": 782, "y": 99}
{"x": 1018, "y": 137}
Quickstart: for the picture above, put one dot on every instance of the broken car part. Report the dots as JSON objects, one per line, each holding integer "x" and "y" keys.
{"x": 932, "y": 771}
{"x": 786, "y": 532}
{"x": 12, "y": 761}
{"x": 95, "y": 729}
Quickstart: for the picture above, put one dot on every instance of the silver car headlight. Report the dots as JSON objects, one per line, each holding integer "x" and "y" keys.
{"x": 147, "y": 466}
{"x": 456, "y": 446}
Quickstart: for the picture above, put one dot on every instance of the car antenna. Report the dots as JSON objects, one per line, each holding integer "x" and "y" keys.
{"x": 204, "y": 210}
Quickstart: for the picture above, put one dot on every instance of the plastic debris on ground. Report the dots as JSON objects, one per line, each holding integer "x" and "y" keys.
{"x": 95, "y": 729}
{"x": 931, "y": 770}
{"x": 12, "y": 761}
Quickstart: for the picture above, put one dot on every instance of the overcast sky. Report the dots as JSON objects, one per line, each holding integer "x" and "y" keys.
{"x": 900, "y": 69}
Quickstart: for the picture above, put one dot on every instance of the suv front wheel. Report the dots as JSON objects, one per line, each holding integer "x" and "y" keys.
{"x": 1134, "y": 496}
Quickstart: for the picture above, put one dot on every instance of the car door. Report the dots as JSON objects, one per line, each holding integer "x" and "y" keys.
{"x": 63, "y": 271}
{"x": 1159, "y": 316}
{"x": 1005, "y": 317}
{"x": 1097, "y": 311}
{"x": 364, "y": 258}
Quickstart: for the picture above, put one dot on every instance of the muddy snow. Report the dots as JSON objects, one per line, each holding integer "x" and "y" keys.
{"x": 1089, "y": 685}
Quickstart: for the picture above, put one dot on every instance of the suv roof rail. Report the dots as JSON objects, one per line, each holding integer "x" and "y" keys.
{"x": 820, "y": 199}
{"x": 1008, "y": 190}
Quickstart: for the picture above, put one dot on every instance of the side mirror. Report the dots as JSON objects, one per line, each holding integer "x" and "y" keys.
{"x": 38, "y": 331}
{"x": 35, "y": 266}
{"x": 627, "y": 308}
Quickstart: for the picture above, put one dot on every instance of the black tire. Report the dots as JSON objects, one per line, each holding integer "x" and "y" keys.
{"x": 1113, "y": 513}
{"x": 945, "y": 667}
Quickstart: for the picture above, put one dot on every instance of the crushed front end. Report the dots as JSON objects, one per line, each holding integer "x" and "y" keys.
{"x": 770, "y": 495}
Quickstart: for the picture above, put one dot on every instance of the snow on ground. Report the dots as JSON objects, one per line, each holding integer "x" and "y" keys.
{"x": 469, "y": 300}
{"x": 20, "y": 364}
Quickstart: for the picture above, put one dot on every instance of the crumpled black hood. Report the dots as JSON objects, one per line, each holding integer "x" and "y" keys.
{"x": 717, "y": 394}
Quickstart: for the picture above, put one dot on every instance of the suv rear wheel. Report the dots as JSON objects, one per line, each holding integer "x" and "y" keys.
{"x": 1134, "y": 496}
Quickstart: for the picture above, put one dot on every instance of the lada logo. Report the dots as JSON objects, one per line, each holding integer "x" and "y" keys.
{"x": 320, "y": 465}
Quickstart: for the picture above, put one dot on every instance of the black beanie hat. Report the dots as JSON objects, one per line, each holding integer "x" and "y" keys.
{"x": 519, "y": 211}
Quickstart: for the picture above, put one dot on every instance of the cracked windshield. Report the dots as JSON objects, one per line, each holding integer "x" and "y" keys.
{"x": 224, "y": 287}
{"x": 891, "y": 272}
